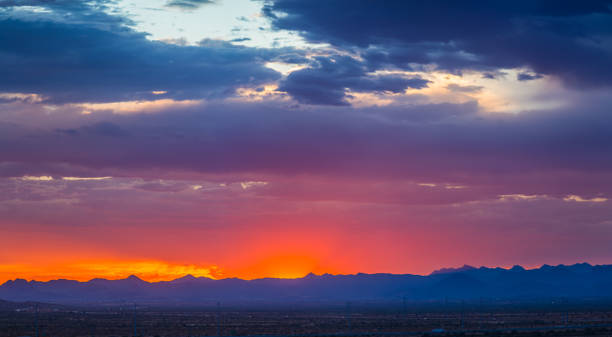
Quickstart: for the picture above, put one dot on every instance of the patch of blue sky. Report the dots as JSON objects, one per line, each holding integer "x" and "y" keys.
{"x": 239, "y": 21}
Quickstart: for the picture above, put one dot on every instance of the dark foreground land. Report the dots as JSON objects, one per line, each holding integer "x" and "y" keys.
{"x": 350, "y": 320}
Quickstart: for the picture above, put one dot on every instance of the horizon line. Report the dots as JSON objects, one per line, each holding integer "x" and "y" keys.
{"x": 443, "y": 270}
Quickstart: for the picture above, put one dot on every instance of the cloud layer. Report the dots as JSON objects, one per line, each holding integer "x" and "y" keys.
{"x": 546, "y": 36}
{"x": 70, "y": 60}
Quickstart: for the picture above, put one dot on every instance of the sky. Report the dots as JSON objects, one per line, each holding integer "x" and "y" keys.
{"x": 274, "y": 138}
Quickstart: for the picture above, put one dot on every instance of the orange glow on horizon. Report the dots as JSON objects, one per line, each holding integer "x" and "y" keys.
{"x": 149, "y": 270}
{"x": 282, "y": 266}
{"x": 274, "y": 251}
{"x": 278, "y": 248}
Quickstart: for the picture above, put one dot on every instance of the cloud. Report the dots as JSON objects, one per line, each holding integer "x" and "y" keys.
{"x": 19, "y": 97}
{"x": 568, "y": 40}
{"x": 577, "y": 198}
{"x": 105, "y": 221}
{"x": 329, "y": 79}
{"x": 245, "y": 185}
{"x": 443, "y": 144}
{"x": 65, "y": 61}
{"x": 241, "y": 39}
{"x": 34, "y": 178}
{"x": 527, "y": 76}
{"x": 92, "y": 13}
{"x": 85, "y": 178}
{"x": 521, "y": 197}
{"x": 50, "y": 3}
{"x": 149, "y": 106}
{"x": 464, "y": 88}
{"x": 189, "y": 4}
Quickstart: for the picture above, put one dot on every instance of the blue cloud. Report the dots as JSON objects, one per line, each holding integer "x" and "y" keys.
{"x": 328, "y": 79}
{"x": 560, "y": 38}
{"x": 527, "y": 76}
{"x": 73, "y": 61}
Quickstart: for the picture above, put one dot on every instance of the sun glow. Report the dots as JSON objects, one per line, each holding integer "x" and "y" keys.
{"x": 283, "y": 266}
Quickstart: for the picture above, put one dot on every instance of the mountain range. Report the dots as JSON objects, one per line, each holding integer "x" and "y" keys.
{"x": 465, "y": 283}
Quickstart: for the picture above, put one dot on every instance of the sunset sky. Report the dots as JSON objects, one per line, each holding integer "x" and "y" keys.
{"x": 239, "y": 138}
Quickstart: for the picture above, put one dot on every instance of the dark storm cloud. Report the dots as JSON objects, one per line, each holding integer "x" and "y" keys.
{"x": 568, "y": 39}
{"x": 327, "y": 81}
{"x": 78, "y": 62}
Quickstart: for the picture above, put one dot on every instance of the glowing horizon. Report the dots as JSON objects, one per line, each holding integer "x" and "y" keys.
{"x": 159, "y": 271}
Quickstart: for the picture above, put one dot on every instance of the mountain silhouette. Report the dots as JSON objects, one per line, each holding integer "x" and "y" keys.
{"x": 452, "y": 270}
{"x": 465, "y": 283}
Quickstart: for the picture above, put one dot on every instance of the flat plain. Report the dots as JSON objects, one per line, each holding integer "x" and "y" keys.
{"x": 338, "y": 321}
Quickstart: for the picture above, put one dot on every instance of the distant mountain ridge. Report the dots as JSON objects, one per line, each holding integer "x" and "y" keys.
{"x": 572, "y": 281}
{"x": 452, "y": 270}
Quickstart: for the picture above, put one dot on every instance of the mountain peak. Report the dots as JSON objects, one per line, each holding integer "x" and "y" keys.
{"x": 15, "y": 282}
{"x": 185, "y": 278}
{"x": 311, "y": 275}
{"x": 462, "y": 282}
{"x": 452, "y": 270}
{"x": 134, "y": 278}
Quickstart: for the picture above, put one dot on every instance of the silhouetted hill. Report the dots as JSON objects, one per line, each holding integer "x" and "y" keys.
{"x": 452, "y": 270}
{"x": 517, "y": 283}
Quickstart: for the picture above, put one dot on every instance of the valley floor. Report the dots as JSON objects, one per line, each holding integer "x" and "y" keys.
{"x": 227, "y": 322}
